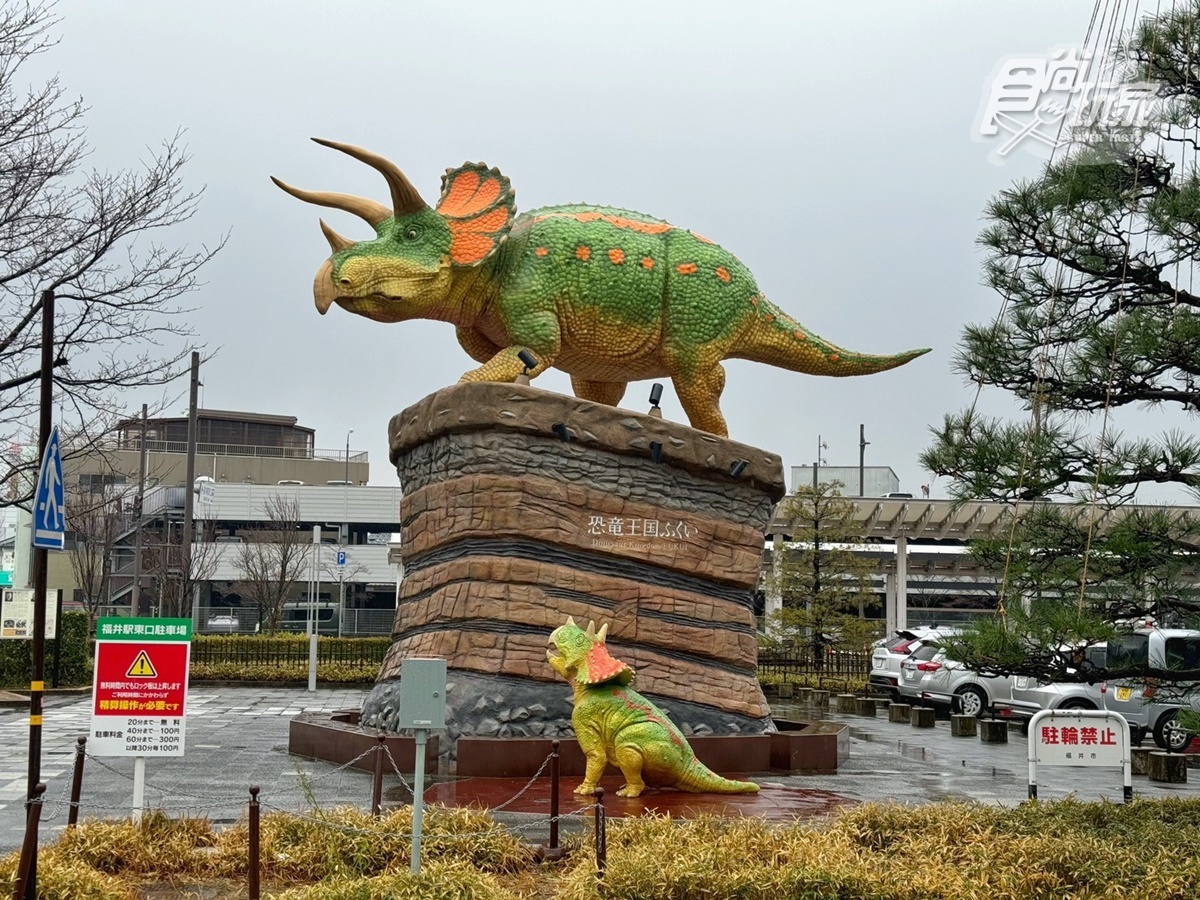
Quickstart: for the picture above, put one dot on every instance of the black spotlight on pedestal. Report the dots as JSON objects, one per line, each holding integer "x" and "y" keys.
{"x": 738, "y": 467}
{"x": 655, "y": 397}
{"x": 655, "y": 451}
{"x": 561, "y": 430}
{"x": 529, "y": 361}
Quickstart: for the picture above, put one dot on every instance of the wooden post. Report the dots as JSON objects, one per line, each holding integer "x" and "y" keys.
{"x": 820, "y": 698}
{"x": 923, "y": 717}
{"x": 1139, "y": 760}
{"x": 804, "y": 695}
{"x": 900, "y": 713}
{"x": 601, "y": 837}
{"x": 377, "y": 781}
{"x": 786, "y": 690}
{"x": 77, "y": 780}
{"x": 253, "y": 861}
{"x": 865, "y": 706}
{"x": 846, "y": 703}
{"x": 29, "y": 846}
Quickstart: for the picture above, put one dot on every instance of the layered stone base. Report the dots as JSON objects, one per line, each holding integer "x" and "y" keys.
{"x": 632, "y": 521}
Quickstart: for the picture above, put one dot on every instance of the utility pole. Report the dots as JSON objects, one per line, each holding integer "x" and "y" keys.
{"x": 135, "y": 599}
{"x": 862, "y": 456}
{"x": 40, "y": 567}
{"x": 189, "y": 502}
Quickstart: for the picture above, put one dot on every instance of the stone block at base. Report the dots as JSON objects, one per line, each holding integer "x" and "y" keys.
{"x": 993, "y": 731}
{"x": 1170, "y": 768}
{"x": 923, "y": 717}
{"x": 900, "y": 713}
{"x": 1139, "y": 760}
{"x": 865, "y": 706}
{"x": 786, "y": 690}
{"x": 962, "y": 726}
{"x": 820, "y": 698}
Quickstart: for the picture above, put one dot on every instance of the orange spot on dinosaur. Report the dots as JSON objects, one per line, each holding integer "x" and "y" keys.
{"x": 616, "y": 256}
{"x": 723, "y": 274}
{"x": 770, "y": 317}
{"x": 754, "y": 301}
{"x": 686, "y": 268}
{"x": 798, "y": 334}
{"x": 541, "y": 251}
{"x": 618, "y": 221}
{"x": 647, "y": 262}
{"x": 833, "y": 357}
{"x": 583, "y": 253}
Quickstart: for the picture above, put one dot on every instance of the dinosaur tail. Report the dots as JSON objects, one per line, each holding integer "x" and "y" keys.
{"x": 775, "y": 338}
{"x": 699, "y": 779}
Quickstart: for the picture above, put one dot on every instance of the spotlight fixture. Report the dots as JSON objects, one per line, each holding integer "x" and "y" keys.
{"x": 656, "y": 451}
{"x": 738, "y": 467}
{"x": 529, "y": 361}
{"x": 560, "y": 429}
{"x": 655, "y": 397}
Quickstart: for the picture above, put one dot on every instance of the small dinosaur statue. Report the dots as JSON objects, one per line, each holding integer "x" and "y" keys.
{"x": 614, "y": 723}
{"x": 607, "y": 295}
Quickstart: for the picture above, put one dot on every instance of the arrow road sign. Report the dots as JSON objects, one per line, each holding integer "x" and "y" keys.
{"x": 49, "y": 508}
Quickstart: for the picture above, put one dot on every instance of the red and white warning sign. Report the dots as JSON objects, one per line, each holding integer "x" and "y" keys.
{"x": 139, "y": 690}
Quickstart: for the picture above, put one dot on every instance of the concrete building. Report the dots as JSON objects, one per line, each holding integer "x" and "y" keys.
{"x": 877, "y": 481}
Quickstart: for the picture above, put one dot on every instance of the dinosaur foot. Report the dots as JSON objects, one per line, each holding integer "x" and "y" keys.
{"x": 630, "y": 791}
{"x": 586, "y": 788}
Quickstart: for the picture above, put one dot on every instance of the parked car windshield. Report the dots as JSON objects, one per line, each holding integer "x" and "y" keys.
{"x": 1130, "y": 651}
{"x": 926, "y": 652}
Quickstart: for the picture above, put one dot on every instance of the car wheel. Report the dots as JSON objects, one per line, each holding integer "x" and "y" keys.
{"x": 971, "y": 701}
{"x": 1169, "y": 735}
{"x": 1078, "y": 704}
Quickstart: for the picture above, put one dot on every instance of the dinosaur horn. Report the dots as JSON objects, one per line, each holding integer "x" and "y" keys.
{"x": 336, "y": 241}
{"x": 602, "y": 634}
{"x": 591, "y": 630}
{"x": 571, "y": 621}
{"x": 405, "y": 199}
{"x": 372, "y": 212}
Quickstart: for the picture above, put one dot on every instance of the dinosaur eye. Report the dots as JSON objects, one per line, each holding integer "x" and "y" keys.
{"x": 412, "y": 233}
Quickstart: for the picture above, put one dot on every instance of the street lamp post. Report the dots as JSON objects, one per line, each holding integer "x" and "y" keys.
{"x": 345, "y": 536}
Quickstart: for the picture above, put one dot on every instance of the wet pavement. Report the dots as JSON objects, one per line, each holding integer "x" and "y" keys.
{"x": 238, "y": 736}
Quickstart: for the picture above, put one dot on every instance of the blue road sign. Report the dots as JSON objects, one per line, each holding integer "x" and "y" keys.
{"x": 341, "y": 557}
{"x": 49, "y": 508}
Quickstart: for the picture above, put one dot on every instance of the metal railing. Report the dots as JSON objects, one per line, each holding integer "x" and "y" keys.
{"x": 255, "y": 450}
{"x": 243, "y": 620}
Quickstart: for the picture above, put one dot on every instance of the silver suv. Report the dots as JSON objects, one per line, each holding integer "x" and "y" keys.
{"x": 930, "y": 675}
{"x": 1145, "y": 704}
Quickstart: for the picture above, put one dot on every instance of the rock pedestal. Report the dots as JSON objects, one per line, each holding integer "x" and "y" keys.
{"x": 523, "y": 507}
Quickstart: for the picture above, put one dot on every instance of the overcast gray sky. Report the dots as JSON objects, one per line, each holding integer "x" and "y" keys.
{"x": 827, "y": 145}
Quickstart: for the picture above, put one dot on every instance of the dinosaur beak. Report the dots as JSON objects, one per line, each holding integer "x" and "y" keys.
{"x": 323, "y": 289}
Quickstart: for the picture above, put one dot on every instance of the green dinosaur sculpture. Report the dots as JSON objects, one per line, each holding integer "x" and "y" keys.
{"x": 607, "y": 295}
{"x": 614, "y": 723}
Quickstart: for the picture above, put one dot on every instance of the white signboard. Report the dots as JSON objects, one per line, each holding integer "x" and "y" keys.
{"x": 16, "y": 613}
{"x": 1079, "y": 737}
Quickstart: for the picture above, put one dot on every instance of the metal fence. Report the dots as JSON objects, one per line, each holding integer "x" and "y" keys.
{"x": 835, "y": 664}
{"x": 240, "y": 620}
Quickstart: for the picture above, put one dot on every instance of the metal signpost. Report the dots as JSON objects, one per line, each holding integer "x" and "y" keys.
{"x": 422, "y": 708}
{"x": 1079, "y": 738}
{"x": 139, "y": 692}
{"x": 315, "y": 582}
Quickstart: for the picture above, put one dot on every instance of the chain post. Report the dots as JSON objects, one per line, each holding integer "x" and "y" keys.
{"x": 26, "y": 879}
{"x": 601, "y": 837}
{"x": 77, "y": 780}
{"x": 377, "y": 782}
{"x": 253, "y": 888}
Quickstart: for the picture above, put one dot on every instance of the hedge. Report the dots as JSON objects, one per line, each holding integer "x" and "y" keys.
{"x": 75, "y": 666}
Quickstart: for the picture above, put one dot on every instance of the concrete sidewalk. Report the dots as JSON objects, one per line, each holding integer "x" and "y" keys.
{"x": 237, "y": 736}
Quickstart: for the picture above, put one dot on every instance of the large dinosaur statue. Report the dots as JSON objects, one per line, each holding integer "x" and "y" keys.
{"x": 607, "y": 295}
{"x": 614, "y": 723}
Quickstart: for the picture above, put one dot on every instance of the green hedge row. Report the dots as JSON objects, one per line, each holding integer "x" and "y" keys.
{"x": 75, "y": 664}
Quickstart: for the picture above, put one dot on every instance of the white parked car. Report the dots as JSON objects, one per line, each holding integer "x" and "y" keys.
{"x": 890, "y": 652}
